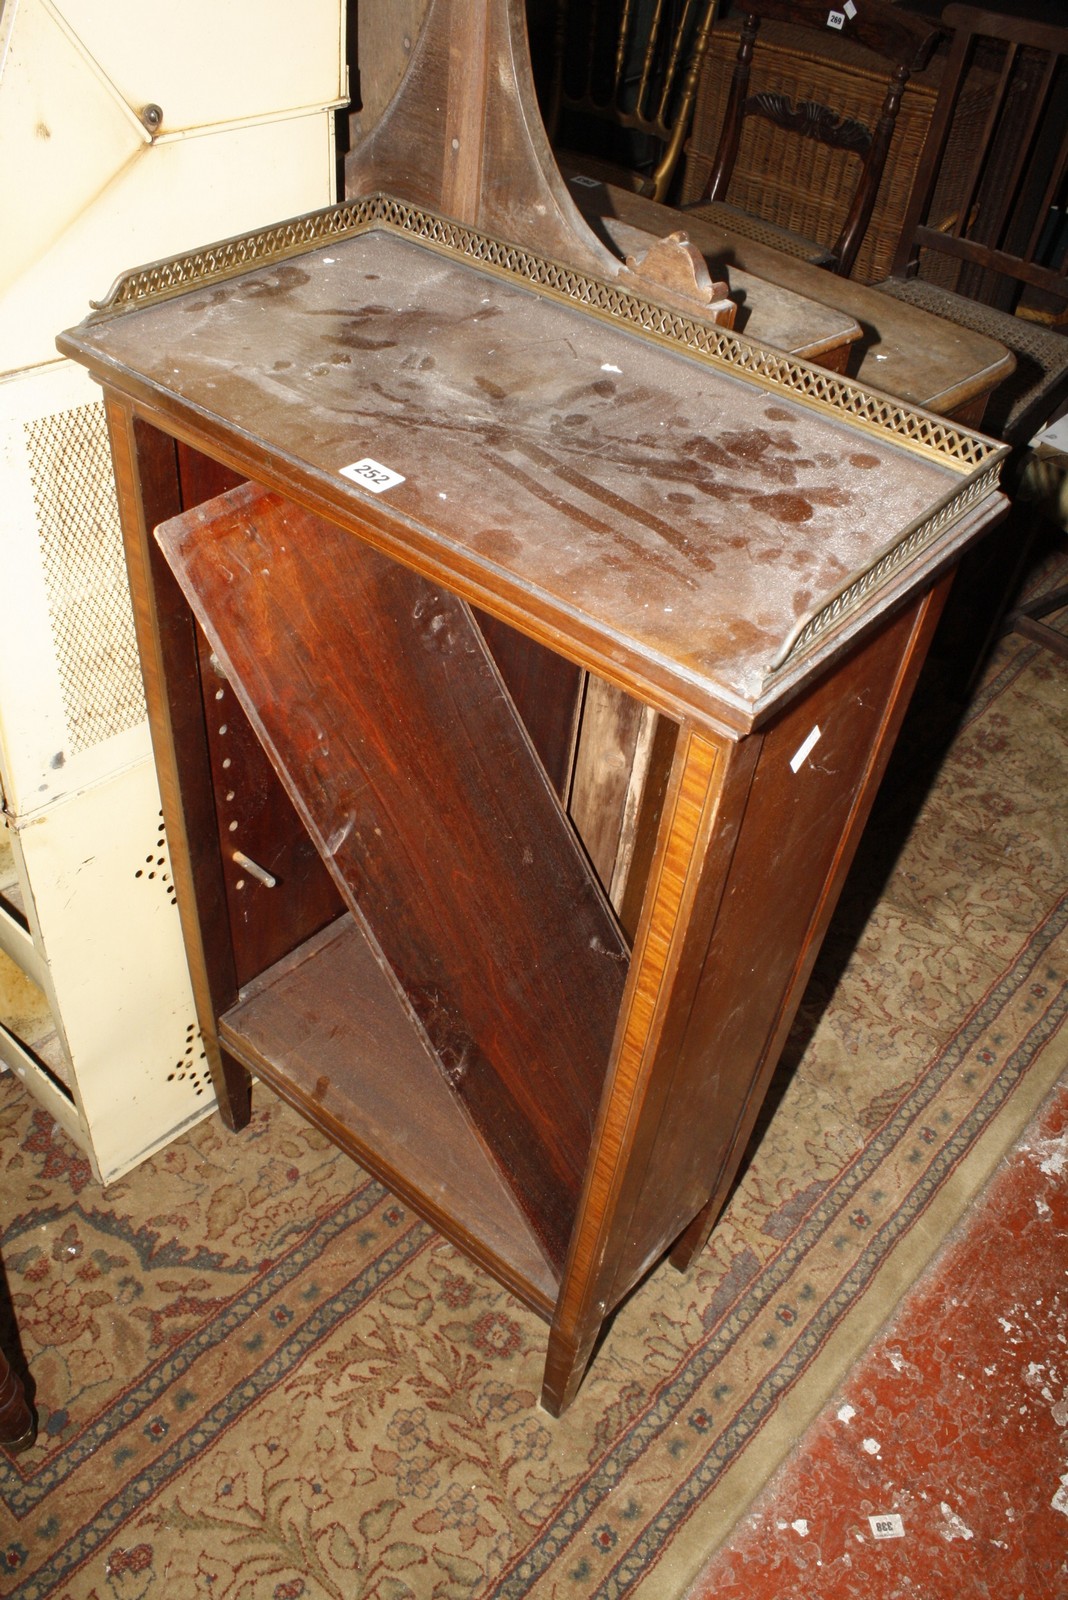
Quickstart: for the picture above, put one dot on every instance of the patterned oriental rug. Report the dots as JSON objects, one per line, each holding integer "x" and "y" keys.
{"x": 260, "y": 1376}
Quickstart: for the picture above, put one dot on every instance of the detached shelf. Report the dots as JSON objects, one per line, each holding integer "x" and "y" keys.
{"x": 390, "y": 729}
{"x": 327, "y": 1030}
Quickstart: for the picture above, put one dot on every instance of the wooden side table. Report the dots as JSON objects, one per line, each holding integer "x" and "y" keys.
{"x": 389, "y": 916}
{"x": 919, "y": 358}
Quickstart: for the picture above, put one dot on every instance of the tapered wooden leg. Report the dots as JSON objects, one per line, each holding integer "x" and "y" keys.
{"x": 688, "y": 1245}
{"x": 18, "y": 1424}
{"x": 565, "y": 1366}
{"x": 235, "y": 1098}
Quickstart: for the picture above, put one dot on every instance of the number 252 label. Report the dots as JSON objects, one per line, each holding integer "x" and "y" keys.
{"x": 372, "y": 475}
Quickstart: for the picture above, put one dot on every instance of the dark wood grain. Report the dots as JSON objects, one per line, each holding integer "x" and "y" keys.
{"x": 256, "y": 822}
{"x": 703, "y": 811}
{"x": 384, "y": 716}
{"x": 254, "y": 815}
{"x": 327, "y": 1030}
{"x": 796, "y": 840}
{"x": 547, "y": 690}
{"x": 912, "y": 633}
{"x": 201, "y": 478}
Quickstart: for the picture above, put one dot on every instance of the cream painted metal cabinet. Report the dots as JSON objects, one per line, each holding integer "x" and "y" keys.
{"x": 126, "y": 138}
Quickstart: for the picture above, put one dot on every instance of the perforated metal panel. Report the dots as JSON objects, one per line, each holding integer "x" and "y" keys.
{"x": 88, "y": 910}
{"x": 81, "y": 554}
{"x": 123, "y": 1068}
{"x": 191, "y": 1067}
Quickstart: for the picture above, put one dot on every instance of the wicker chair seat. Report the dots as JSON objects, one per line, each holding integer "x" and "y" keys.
{"x": 734, "y": 220}
{"x": 1023, "y": 402}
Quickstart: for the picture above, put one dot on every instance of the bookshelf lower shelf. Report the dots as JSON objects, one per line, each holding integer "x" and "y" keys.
{"x": 325, "y": 1028}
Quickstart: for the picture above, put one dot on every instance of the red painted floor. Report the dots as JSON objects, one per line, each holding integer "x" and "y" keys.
{"x": 941, "y": 1470}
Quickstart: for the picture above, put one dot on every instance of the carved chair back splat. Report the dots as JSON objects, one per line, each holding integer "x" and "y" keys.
{"x": 906, "y": 44}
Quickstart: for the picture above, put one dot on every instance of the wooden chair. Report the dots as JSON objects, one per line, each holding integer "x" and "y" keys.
{"x": 1029, "y": 619}
{"x": 998, "y": 266}
{"x": 905, "y": 42}
{"x": 623, "y": 86}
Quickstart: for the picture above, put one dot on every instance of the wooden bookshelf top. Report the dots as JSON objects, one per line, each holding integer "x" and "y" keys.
{"x": 701, "y": 520}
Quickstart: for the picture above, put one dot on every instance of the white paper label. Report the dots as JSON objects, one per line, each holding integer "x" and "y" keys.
{"x": 809, "y": 745}
{"x": 850, "y": 9}
{"x": 836, "y": 19}
{"x": 887, "y": 1527}
{"x": 372, "y": 475}
{"x": 586, "y": 183}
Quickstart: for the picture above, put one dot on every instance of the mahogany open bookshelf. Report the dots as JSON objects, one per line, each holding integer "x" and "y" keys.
{"x": 364, "y": 683}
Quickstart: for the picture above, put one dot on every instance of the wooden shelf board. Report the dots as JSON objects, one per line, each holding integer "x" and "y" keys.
{"x": 327, "y": 1030}
{"x": 405, "y": 758}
